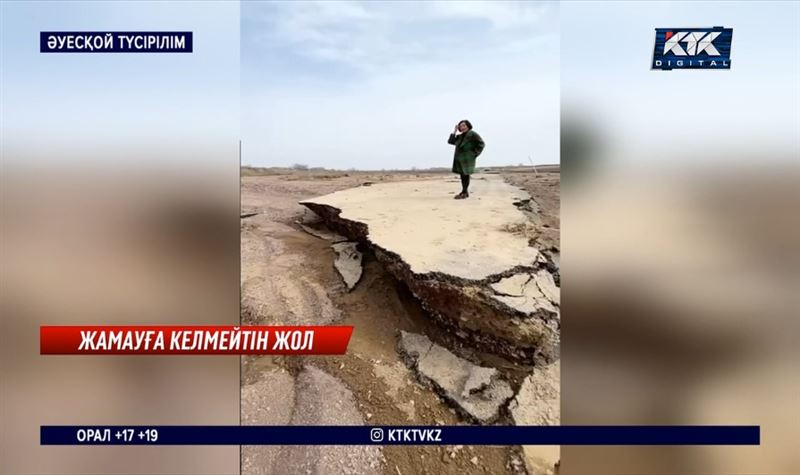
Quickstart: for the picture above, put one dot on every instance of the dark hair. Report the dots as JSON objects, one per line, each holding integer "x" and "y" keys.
{"x": 467, "y": 123}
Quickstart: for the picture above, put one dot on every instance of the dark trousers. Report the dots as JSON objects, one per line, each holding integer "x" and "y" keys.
{"x": 464, "y": 183}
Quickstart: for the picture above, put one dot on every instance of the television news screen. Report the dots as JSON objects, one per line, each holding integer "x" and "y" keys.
{"x": 399, "y": 237}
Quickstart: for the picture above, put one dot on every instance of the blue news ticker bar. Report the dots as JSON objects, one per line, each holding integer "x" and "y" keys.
{"x": 400, "y": 435}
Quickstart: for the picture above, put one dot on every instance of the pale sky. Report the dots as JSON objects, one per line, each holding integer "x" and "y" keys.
{"x": 381, "y": 84}
{"x": 751, "y": 111}
{"x": 120, "y": 107}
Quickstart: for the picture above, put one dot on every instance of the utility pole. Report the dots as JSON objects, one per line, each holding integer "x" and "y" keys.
{"x": 532, "y": 165}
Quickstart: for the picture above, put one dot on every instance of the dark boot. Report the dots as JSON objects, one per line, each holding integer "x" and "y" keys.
{"x": 464, "y": 187}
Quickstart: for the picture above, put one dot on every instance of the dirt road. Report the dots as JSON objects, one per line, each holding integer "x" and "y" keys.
{"x": 288, "y": 277}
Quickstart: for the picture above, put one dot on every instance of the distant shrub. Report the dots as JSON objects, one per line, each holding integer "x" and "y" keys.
{"x": 299, "y": 166}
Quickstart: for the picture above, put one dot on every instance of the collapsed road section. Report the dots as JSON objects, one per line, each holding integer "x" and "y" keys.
{"x": 469, "y": 262}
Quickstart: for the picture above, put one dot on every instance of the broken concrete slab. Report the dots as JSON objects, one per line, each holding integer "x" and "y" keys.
{"x": 540, "y": 286}
{"x": 414, "y": 346}
{"x": 528, "y": 293}
{"x": 421, "y": 222}
{"x": 449, "y": 252}
{"x": 547, "y": 285}
{"x": 348, "y": 262}
{"x": 526, "y": 304}
{"x": 478, "y": 380}
{"x": 513, "y": 286}
{"x": 322, "y": 233}
{"x": 477, "y": 392}
{"x": 538, "y": 403}
{"x": 538, "y": 400}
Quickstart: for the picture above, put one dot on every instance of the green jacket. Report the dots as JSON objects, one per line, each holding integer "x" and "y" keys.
{"x": 468, "y": 146}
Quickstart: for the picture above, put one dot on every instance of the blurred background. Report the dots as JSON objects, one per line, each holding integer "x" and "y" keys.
{"x": 120, "y": 206}
{"x": 680, "y": 234}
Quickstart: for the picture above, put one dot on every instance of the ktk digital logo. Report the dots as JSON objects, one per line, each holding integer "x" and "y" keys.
{"x": 692, "y": 48}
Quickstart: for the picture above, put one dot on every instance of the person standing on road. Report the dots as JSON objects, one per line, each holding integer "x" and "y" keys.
{"x": 468, "y": 146}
